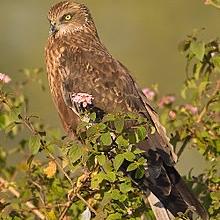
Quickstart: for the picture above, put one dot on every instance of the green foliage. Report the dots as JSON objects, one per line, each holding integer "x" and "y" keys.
{"x": 215, "y": 3}
{"x": 65, "y": 177}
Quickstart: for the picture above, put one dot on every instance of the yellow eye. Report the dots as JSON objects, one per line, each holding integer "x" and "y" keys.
{"x": 67, "y": 17}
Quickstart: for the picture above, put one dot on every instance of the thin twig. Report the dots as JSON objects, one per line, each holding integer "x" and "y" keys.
{"x": 86, "y": 203}
{"x": 60, "y": 167}
{"x": 66, "y": 208}
{"x": 13, "y": 191}
{"x": 187, "y": 139}
{"x": 40, "y": 192}
{"x": 212, "y": 100}
{"x": 35, "y": 132}
{"x": 75, "y": 193}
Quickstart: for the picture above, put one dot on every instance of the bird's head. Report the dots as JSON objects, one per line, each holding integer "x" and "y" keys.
{"x": 68, "y": 17}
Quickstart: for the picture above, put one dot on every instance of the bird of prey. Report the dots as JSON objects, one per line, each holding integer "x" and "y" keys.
{"x": 78, "y": 63}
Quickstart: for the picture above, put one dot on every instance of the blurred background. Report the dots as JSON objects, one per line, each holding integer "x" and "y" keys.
{"x": 143, "y": 35}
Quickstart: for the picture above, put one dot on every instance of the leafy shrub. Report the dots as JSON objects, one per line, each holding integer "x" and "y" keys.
{"x": 55, "y": 176}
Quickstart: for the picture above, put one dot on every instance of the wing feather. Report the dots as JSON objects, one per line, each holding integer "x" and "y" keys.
{"x": 97, "y": 73}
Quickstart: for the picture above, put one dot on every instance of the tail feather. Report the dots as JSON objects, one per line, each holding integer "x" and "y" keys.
{"x": 168, "y": 186}
{"x": 191, "y": 200}
{"x": 185, "y": 193}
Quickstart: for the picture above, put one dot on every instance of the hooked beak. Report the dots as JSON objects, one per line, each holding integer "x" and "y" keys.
{"x": 53, "y": 28}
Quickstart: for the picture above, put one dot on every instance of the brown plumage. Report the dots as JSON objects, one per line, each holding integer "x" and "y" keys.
{"x": 77, "y": 62}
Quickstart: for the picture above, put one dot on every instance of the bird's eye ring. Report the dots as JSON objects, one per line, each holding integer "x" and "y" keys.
{"x": 67, "y": 17}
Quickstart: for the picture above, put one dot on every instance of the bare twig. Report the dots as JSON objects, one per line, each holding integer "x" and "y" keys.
{"x": 60, "y": 167}
{"x": 75, "y": 193}
{"x": 29, "y": 125}
{"x": 13, "y": 191}
{"x": 186, "y": 141}
{"x": 86, "y": 203}
{"x": 67, "y": 206}
{"x": 212, "y": 100}
{"x": 35, "y": 132}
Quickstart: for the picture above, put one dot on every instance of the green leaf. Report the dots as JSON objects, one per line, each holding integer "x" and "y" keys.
{"x": 2, "y": 121}
{"x": 51, "y": 215}
{"x": 142, "y": 161}
{"x": 132, "y": 166}
{"x": 14, "y": 113}
{"x": 129, "y": 156}
{"x": 141, "y": 133}
{"x": 75, "y": 153}
{"x": 117, "y": 162}
{"x": 101, "y": 127}
{"x": 116, "y": 195}
{"x": 202, "y": 87}
{"x": 138, "y": 151}
{"x": 122, "y": 142}
{"x": 108, "y": 117}
{"x": 104, "y": 162}
{"x": 96, "y": 180}
{"x": 115, "y": 216}
{"x": 197, "y": 70}
{"x": 198, "y": 49}
{"x": 119, "y": 124}
{"x": 216, "y": 61}
{"x": 125, "y": 187}
{"x": 110, "y": 176}
{"x": 183, "y": 92}
{"x": 92, "y": 116}
{"x": 139, "y": 172}
{"x": 91, "y": 131}
{"x": 106, "y": 139}
{"x": 10, "y": 127}
{"x": 101, "y": 159}
{"x": 16, "y": 218}
{"x": 34, "y": 145}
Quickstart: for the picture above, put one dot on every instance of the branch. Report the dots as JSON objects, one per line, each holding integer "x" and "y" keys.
{"x": 13, "y": 191}
{"x": 30, "y": 126}
{"x": 86, "y": 203}
{"x": 66, "y": 208}
{"x": 212, "y": 100}
{"x": 186, "y": 141}
{"x": 75, "y": 193}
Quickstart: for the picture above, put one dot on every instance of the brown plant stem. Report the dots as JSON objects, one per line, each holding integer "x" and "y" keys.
{"x": 212, "y": 100}
{"x": 5, "y": 184}
{"x": 181, "y": 150}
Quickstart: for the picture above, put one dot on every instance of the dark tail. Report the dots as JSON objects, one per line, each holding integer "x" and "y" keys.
{"x": 180, "y": 198}
{"x": 167, "y": 185}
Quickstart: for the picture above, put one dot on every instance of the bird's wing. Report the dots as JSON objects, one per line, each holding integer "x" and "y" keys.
{"x": 95, "y": 72}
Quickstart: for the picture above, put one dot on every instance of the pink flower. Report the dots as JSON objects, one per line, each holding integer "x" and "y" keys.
{"x": 192, "y": 109}
{"x": 207, "y": 2}
{"x": 172, "y": 115}
{"x": 82, "y": 98}
{"x": 4, "y": 78}
{"x": 150, "y": 94}
{"x": 166, "y": 100}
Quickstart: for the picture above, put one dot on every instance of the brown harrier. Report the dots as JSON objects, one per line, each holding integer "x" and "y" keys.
{"x": 78, "y": 63}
